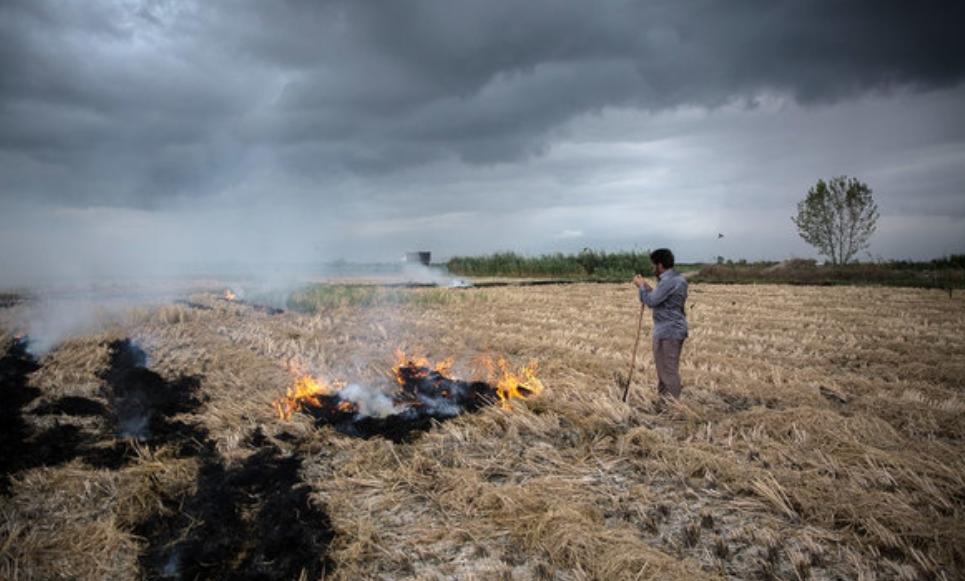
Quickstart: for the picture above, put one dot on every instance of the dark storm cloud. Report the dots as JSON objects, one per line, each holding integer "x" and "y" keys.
{"x": 133, "y": 103}
{"x": 98, "y": 105}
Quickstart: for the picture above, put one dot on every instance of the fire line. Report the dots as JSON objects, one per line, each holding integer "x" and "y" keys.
{"x": 422, "y": 392}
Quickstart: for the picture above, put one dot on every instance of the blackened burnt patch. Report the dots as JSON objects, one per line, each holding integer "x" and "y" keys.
{"x": 267, "y": 309}
{"x": 425, "y": 397}
{"x": 22, "y": 446}
{"x": 244, "y": 520}
{"x": 72, "y": 405}
{"x": 141, "y": 401}
{"x": 440, "y": 395}
{"x": 253, "y": 520}
{"x": 144, "y": 403}
{"x": 194, "y": 305}
{"x": 15, "y": 367}
{"x": 259, "y": 307}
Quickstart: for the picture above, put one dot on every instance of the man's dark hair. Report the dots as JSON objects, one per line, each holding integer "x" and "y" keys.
{"x": 662, "y": 256}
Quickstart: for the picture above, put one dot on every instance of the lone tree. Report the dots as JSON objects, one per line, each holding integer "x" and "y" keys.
{"x": 837, "y": 217}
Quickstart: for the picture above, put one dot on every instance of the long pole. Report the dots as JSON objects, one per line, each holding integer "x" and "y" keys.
{"x": 633, "y": 359}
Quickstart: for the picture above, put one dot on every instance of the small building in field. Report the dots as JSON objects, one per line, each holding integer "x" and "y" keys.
{"x": 422, "y": 257}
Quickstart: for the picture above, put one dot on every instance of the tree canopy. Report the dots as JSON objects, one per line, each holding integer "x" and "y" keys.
{"x": 837, "y": 217}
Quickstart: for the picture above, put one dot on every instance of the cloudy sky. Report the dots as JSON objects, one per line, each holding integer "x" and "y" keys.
{"x": 160, "y": 133}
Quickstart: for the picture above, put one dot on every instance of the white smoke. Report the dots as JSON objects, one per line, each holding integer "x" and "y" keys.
{"x": 441, "y": 406}
{"x": 414, "y": 272}
{"x": 46, "y": 320}
{"x": 370, "y": 401}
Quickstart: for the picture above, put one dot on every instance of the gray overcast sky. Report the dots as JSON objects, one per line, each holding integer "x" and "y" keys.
{"x": 140, "y": 135}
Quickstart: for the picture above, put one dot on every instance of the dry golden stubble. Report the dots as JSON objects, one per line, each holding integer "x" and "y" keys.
{"x": 59, "y": 523}
{"x": 862, "y": 477}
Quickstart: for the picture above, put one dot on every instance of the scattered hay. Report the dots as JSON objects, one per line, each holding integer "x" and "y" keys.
{"x": 819, "y": 436}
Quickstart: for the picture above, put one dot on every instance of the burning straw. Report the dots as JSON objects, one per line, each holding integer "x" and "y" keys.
{"x": 422, "y": 392}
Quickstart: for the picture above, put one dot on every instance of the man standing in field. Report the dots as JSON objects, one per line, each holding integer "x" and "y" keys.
{"x": 669, "y": 319}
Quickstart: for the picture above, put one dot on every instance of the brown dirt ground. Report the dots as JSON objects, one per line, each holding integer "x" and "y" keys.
{"x": 820, "y": 435}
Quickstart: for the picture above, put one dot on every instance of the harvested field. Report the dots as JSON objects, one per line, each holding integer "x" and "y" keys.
{"x": 820, "y": 435}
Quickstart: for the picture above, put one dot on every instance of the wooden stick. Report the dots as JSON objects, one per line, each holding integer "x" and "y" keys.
{"x": 633, "y": 359}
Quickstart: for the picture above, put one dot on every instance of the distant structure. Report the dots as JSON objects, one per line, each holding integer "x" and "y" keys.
{"x": 423, "y": 257}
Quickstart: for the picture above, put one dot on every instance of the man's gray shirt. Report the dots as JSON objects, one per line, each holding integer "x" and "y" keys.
{"x": 667, "y": 302}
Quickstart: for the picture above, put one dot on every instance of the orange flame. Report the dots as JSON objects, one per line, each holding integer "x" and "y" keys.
{"x": 418, "y": 362}
{"x": 306, "y": 390}
{"x": 229, "y": 295}
{"x": 520, "y": 384}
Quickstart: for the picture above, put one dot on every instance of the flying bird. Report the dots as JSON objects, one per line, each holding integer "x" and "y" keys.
{"x": 719, "y": 236}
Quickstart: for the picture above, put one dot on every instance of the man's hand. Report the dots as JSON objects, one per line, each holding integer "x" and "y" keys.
{"x": 638, "y": 280}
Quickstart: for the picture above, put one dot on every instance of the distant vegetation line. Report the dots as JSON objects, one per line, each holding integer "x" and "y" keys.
{"x": 315, "y": 298}
{"x": 587, "y": 264}
{"x": 946, "y": 272}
